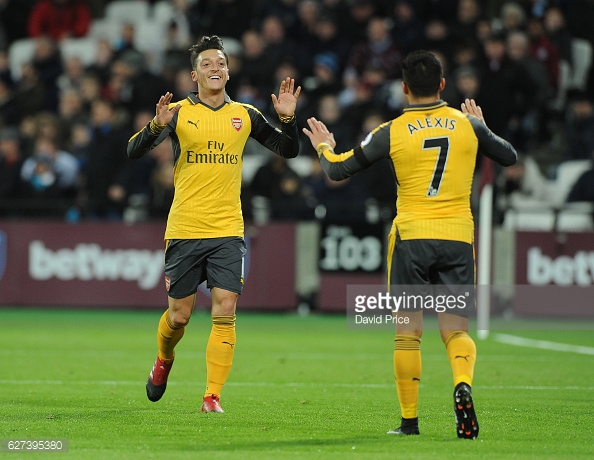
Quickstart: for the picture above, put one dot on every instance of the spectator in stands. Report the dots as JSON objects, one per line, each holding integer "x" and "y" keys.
{"x": 360, "y": 13}
{"x": 72, "y": 74}
{"x": 513, "y": 17}
{"x": 330, "y": 39}
{"x": 59, "y": 19}
{"x": 337, "y": 202}
{"x": 30, "y": 93}
{"x": 70, "y": 111}
{"x": 408, "y": 29}
{"x": 530, "y": 122}
{"x": 50, "y": 177}
{"x": 276, "y": 42}
{"x": 544, "y": 51}
{"x": 107, "y": 171}
{"x": 257, "y": 66}
{"x": 47, "y": 61}
{"x": 378, "y": 51}
{"x": 523, "y": 185}
{"x": 468, "y": 14}
{"x": 503, "y": 78}
{"x": 10, "y": 111}
{"x": 579, "y": 125}
{"x": 556, "y": 30}
{"x": 283, "y": 188}
{"x": 11, "y": 161}
{"x": 325, "y": 81}
{"x": 103, "y": 60}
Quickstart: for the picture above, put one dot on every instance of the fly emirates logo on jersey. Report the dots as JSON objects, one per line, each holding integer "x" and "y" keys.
{"x": 215, "y": 155}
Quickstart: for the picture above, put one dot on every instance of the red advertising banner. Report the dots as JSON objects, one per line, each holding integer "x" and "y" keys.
{"x": 554, "y": 274}
{"x": 118, "y": 265}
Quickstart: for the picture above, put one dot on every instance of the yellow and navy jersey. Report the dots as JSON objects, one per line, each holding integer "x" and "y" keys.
{"x": 433, "y": 150}
{"x": 208, "y": 146}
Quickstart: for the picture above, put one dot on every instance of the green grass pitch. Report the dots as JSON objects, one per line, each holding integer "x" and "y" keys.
{"x": 300, "y": 388}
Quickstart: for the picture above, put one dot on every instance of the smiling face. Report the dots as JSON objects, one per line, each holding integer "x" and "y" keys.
{"x": 211, "y": 72}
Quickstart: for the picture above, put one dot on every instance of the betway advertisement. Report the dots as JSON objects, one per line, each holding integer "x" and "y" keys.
{"x": 554, "y": 274}
{"x": 118, "y": 265}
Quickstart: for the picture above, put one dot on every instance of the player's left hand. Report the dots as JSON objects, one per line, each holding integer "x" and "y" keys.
{"x": 318, "y": 133}
{"x": 286, "y": 102}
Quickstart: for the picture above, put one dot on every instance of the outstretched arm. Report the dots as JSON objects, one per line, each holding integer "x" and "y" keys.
{"x": 155, "y": 131}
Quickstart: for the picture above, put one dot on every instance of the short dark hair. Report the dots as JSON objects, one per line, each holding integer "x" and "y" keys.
{"x": 422, "y": 72}
{"x": 206, "y": 43}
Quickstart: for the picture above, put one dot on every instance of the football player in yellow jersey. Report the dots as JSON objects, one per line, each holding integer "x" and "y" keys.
{"x": 433, "y": 150}
{"x": 204, "y": 234}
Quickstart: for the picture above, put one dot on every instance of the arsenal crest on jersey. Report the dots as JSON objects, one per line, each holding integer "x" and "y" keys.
{"x": 237, "y": 123}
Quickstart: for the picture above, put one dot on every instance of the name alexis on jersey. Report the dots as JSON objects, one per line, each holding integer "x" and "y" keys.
{"x": 431, "y": 122}
{"x": 218, "y": 158}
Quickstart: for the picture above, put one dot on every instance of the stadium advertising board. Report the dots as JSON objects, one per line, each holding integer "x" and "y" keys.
{"x": 349, "y": 254}
{"x": 118, "y": 265}
{"x": 554, "y": 274}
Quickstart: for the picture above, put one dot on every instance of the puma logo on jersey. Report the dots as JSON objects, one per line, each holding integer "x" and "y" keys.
{"x": 192, "y": 123}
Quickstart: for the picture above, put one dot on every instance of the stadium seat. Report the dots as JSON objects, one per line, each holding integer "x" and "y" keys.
{"x": 20, "y": 52}
{"x": 83, "y": 48}
{"x": 529, "y": 220}
{"x": 575, "y": 217}
{"x": 128, "y": 10}
{"x": 581, "y": 59}
{"x": 108, "y": 29}
{"x": 163, "y": 11}
{"x": 568, "y": 173}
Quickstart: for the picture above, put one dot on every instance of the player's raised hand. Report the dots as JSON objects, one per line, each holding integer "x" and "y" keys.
{"x": 469, "y": 106}
{"x": 318, "y": 133}
{"x": 286, "y": 102}
{"x": 164, "y": 114}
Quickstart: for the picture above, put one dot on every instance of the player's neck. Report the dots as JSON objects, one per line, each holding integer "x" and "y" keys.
{"x": 211, "y": 98}
{"x": 413, "y": 100}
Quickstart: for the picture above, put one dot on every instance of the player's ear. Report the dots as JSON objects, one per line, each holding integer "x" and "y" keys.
{"x": 442, "y": 84}
{"x": 194, "y": 76}
{"x": 405, "y": 89}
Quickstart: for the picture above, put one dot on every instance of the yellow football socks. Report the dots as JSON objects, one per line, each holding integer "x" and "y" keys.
{"x": 462, "y": 355}
{"x": 407, "y": 370}
{"x": 168, "y": 337}
{"x": 219, "y": 353}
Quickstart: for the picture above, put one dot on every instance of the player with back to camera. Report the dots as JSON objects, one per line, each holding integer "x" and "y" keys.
{"x": 433, "y": 150}
{"x": 204, "y": 234}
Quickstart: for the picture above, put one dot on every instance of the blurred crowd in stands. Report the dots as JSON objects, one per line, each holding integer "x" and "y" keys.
{"x": 79, "y": 78}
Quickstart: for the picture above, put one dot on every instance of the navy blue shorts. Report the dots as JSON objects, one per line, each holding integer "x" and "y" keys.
{"x": 218, "y": 261}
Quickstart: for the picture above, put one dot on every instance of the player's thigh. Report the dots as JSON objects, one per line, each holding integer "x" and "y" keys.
{"x": 225, "y": 264}
{"x": 410, "y": 262}
{"x": 185, "y": 267}
{"x": 455, "y": 264}
{"x": 454, "y": 272}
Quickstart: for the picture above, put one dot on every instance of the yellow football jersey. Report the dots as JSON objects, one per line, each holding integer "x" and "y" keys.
{"x": 208, "y": 146}
{"x": 433, "y": 149}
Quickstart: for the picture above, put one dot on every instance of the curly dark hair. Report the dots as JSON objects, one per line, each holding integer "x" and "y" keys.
{"x": 206, "y": 43}
{"x": 422, "y": 72}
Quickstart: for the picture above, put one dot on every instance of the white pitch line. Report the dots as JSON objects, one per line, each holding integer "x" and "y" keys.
{"x": 287, "y": 384}
{"x": 542, "y": 344}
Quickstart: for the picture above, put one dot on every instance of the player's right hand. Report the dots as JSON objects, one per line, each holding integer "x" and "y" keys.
{"x": 164, "y": 114}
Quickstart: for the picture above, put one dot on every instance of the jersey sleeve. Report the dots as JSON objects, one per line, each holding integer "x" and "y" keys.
{"x": 283, "y": 141}
{"x": 148, "y": 138}
{"x": 491, "y": 145}
{"x": 339, "y": 166}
